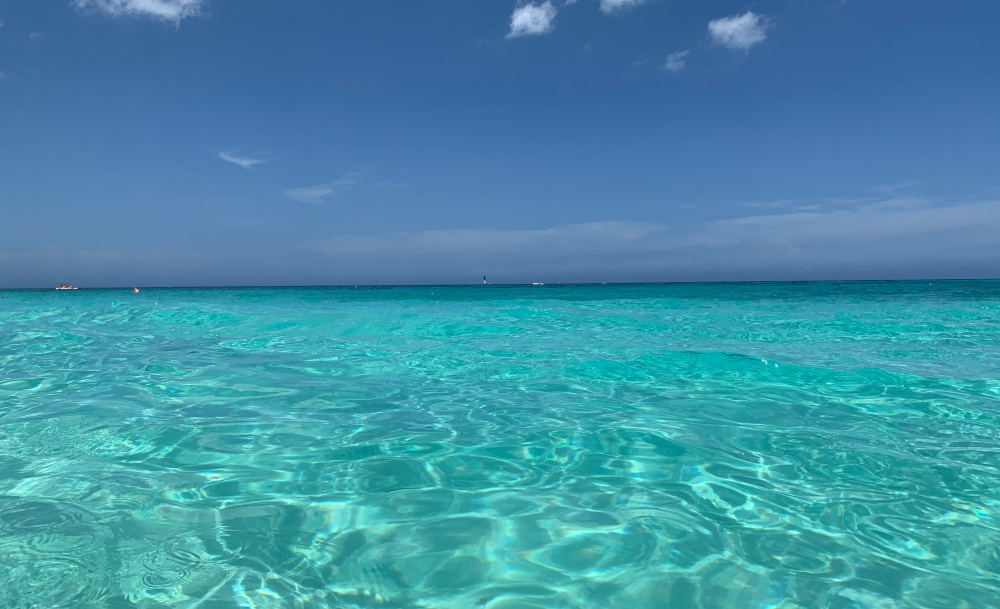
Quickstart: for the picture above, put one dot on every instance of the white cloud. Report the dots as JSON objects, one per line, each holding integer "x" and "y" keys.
{"x": 675, "y": 61}
{"x": 35, "y": 36}
{"x": 168, "y": 10}
{"x": 2, "y": 75}
{"x": 532, "y": 20}
{"x": 738, "y": 32}
{"x": 610, "y": 6}
{"x": 242, "y": 161}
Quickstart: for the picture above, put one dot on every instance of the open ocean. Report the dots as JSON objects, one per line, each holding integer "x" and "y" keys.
{"x": 667, "y": 446}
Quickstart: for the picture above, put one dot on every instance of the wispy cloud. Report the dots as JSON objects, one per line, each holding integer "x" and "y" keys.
{"x": 242, "y": 161}
{"x": 168, "y": 10}
{"x": 315, "y": 195}
{"x": 610, "y": 6}
{"x": 911, "y": 234}
{"x": 766, "y": 204}
{"x": 35, "y": 36}
{"x": 879, "y": 222}
{"x": 739, "y": 32}
{"x": 675, "y": 62}
{"x": 592, "y": 237}
{"x": 532, "y": 20}
{"x": 898, "y": 186}
{"x": 352, "y": 180}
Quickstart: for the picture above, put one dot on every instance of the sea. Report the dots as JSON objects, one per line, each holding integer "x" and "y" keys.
{"x": 642, "y": 446}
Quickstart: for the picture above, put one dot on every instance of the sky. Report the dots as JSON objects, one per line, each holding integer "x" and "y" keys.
{"x": 331, "y": 142}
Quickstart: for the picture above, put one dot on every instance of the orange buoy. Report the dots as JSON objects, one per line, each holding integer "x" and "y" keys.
{"x": 135, "y": 290}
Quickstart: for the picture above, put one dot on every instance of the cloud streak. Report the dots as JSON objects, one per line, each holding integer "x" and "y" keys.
{"x": 738, "y": 32}
{"x": 532, "y": 20}
{"x": 316, "y": 195}
{"x": 593, "y": 236}
{"x": 352, "y": 180}
{"x": 883, "y": 221}
{"x": 887, "y": 238}
{"x": 167, "y": 10}
{"x": 242, "y": 161}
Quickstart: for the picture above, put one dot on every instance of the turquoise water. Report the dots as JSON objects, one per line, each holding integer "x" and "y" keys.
{"x": 622, "y": 446}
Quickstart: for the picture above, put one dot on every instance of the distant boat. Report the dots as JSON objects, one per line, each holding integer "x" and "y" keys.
{"x": 135, "y": 290}
{"x": 538, "y": 283}
{"x": 65, "y": 286}
{"x": 484, "y": 280}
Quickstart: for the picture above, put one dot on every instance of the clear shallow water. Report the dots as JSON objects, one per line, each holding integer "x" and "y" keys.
{"x": 684, "y": 446}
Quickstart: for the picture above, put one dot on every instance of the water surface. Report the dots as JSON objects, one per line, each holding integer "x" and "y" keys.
{"x": 623, "y": 446}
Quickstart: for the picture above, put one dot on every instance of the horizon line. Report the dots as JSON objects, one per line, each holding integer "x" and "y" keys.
{"x": 504, "y": 285}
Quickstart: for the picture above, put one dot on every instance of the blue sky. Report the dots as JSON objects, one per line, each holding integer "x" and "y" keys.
{"x": 263, "y": 142}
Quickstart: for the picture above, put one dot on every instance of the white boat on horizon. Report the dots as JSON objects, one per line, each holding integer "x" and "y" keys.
{"x": 67, "y": 286}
